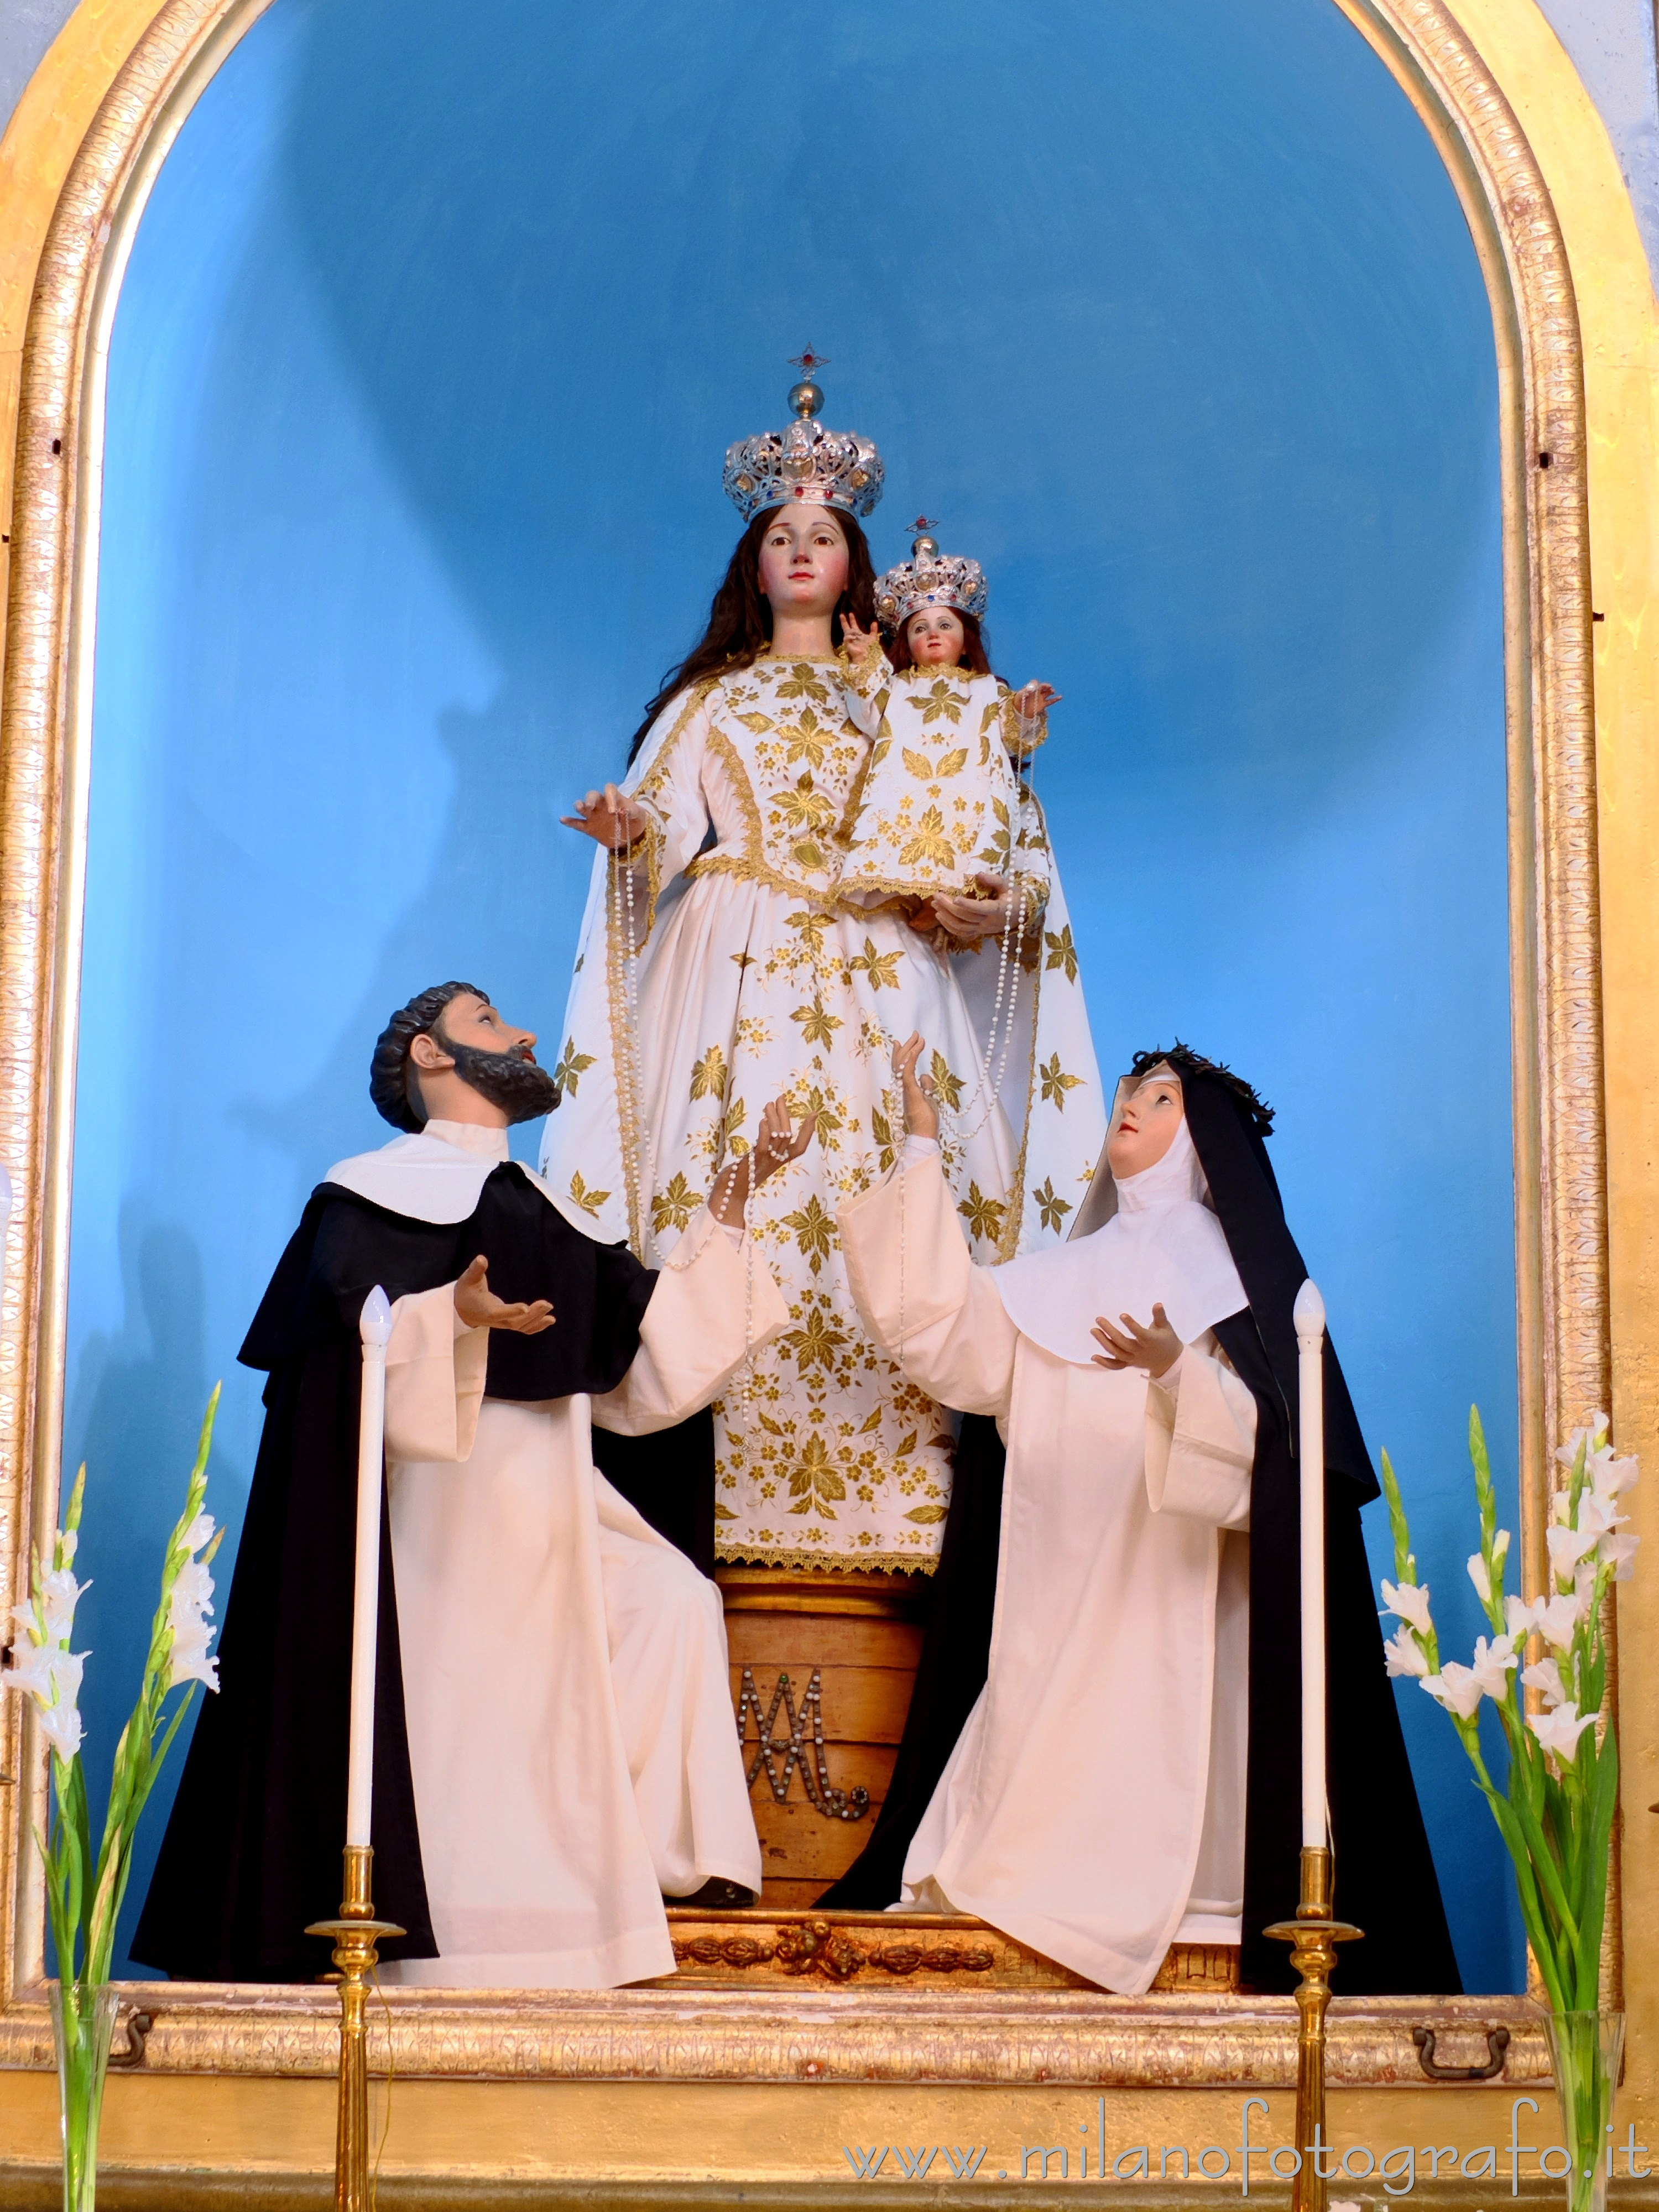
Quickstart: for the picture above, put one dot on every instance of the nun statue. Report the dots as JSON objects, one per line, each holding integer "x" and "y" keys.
{"x": 1102, "y": 1753}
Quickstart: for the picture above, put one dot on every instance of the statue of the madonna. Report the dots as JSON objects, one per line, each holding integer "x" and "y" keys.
{"x": 721, "y": 965}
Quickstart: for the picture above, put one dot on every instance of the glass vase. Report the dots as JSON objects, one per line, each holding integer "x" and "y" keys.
{"x": 82, "y": 2025}
{"x": 1585, "y": 2049}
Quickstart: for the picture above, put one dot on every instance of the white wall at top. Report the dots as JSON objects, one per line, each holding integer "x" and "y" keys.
{"x": 1611, "y": 43}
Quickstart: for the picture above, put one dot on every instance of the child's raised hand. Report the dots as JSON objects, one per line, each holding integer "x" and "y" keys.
{"x": 863, "y": 646}
{"x": 609, "y": 818}
{"x": 920, "y": 1114}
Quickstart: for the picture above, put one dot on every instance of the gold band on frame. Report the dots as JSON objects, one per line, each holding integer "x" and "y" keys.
{"x": 1561, "y": 1179}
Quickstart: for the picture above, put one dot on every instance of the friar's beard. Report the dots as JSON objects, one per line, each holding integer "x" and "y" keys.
{"x": 511, "y": 1081}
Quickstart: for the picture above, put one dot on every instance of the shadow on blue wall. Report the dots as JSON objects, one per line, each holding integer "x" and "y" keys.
{"x": 434, "y": 335}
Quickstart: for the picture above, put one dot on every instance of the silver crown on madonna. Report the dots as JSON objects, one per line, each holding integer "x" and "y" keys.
{"x": 929, "y": 579}
{"x": 818, "y": 467}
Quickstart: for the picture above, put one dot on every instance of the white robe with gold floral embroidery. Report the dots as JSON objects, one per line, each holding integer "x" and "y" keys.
{"x": 754, "y": 978}
{"x": 939, "y": 800}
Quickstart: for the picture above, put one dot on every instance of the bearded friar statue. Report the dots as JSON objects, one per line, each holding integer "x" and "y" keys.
{"x": 553, "y": 1751}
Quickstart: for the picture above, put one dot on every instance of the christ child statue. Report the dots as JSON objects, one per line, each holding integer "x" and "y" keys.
{"x": 939, "y": 811}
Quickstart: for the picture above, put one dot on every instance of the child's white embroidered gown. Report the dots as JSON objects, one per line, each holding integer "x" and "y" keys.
{"x": 940, "y": 800}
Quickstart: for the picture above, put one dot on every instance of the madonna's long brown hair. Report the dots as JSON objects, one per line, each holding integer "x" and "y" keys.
{"x": 975, "y": 646}
{"x": 741, "y": 618}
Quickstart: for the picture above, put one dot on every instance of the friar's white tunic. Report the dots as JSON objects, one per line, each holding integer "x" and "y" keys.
{"x": 565, "y": 1673}
{"x": 1094, "y": 1805}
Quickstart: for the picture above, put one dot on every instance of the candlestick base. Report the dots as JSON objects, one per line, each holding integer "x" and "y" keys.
{"x": 1313, "y": 1937}
{"x": 356, "y": 1936}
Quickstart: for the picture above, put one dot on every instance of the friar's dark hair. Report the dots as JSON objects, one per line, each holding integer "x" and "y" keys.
{"x": 975, "y": 646}
{"x": 740, "y": 616}
{"x": 388, "y": 1072}
{"x": 1184, "y": 1061}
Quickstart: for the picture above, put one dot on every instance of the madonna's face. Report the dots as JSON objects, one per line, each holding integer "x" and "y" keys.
{"x": 937, "y": 637}
{"x": 1146, "y": 1127}
{"x": 803, "y": 561}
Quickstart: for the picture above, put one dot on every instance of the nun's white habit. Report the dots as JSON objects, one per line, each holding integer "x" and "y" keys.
{"x": 1094, "y": 1805}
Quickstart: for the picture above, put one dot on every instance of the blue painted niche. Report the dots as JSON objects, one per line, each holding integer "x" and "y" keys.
{"x": 434, "y": 332}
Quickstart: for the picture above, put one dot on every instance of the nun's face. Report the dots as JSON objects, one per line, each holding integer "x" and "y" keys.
{"x": 1146, "y": 1129}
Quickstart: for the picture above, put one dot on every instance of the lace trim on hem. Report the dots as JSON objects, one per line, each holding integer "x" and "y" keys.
{"x": 767, "y": 1555}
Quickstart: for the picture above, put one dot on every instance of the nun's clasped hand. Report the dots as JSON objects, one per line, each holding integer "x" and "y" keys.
{"x": 1155, "y": 1347}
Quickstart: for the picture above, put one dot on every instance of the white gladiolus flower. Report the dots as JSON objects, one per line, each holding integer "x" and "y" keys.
{"x": 1560, "y": 1617}
{"x": 1612, "y": 1477}
{"x": 59, "y": 1595}
{"x": 1456, "y": 1688}
{"x": 190, "y": 1605}
{"x": 1598, "y": 1514}
{"x": 1480, "y": 1577}
{"x": 1619, "y": 1552}
{"x": 1544, "y": 1676}
{"x": 1411, "y": 1602}
{"x": 1520, "y": 1617}
{"x": 51, "y": 1676}
{"x": 1492, "y": 1663}
{"x": 1558, "y": 1731}
{"x": 1589, "y": 1438}
{"x": 61, "y": 1726}
{"x": 199, "y": 1532}
{"x": 1404, "y": 1654}
{"x": 1500, "y": 1544}
{"x": 1568, "y": 1546}
{"x": 31, "y": 1672}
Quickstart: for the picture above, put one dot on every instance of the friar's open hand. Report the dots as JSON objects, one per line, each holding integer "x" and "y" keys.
{"x": 1155, "y": 1348}
{"x": 777, "y": 1143}
{"x": 479, "y": 1307}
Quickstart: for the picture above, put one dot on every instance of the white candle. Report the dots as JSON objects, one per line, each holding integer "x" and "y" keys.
{"x": 1308, "y": 1315}
{"x": 376, "y": 1329}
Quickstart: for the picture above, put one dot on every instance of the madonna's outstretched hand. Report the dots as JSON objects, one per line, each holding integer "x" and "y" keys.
{"x": 607, "y": 817}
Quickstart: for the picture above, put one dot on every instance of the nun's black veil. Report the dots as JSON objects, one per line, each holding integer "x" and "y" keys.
{"x": 1385, "y": 1877}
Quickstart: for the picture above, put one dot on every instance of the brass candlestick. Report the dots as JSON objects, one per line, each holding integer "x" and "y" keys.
{"x": 356, "y": 1933}
{"x": 1313, "y": 1937}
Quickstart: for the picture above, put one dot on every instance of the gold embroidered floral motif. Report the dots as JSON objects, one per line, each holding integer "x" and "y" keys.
{"x": 1053, "y": 1208}
{"x": 948, "y": 1086}
{"x": 708, "y": 1075}
{"x": 589, "y": 1201}
{"x": 803, "y": 682}
{"x": 813, "y": 1481}
{"x": 1054, "y": 1084}
{"x": 673, "y": 1208}
{"x": 814, "y": 1229}
{"x": 929, "y": 843}
{"x": 573, "y": 1065}
{"x": 1063, "y": 953}
{"x": 819, "y": 1026}
{"x": 815, "y": 1343}
{"x": 983, "y": 1215}
{"x": 882, "y": 967}
{"x": 943, "y": 703}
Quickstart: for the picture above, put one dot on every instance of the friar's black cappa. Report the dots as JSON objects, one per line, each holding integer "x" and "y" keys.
{"x": 252, "y": 1852}
{"x": 1385, "y": 1878}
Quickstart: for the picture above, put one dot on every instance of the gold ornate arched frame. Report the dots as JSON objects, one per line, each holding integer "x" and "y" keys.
{"x": 744, "y": 2085}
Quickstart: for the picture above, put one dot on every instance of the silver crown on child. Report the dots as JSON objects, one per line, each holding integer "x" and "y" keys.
{"x": 818, "y": 467}
{"x": 929, "y": 579}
